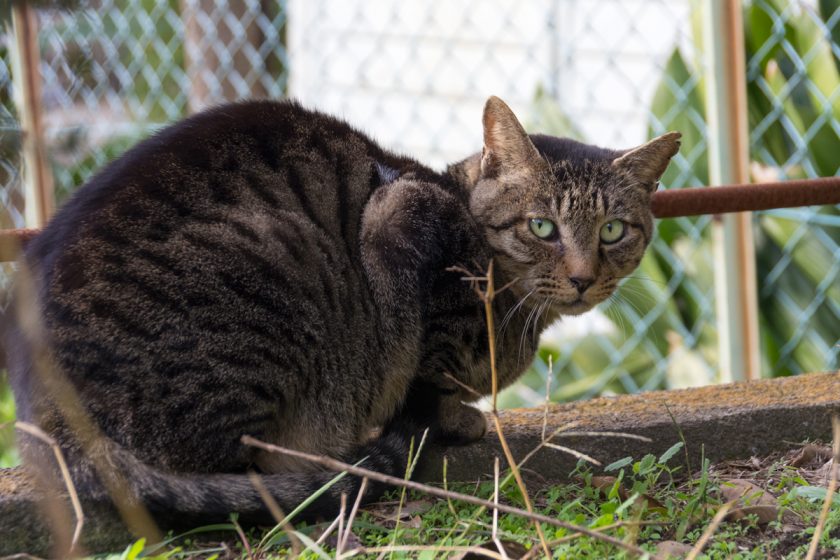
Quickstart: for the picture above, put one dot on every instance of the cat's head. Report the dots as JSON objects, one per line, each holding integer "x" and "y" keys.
{"x": 567, "y": 220}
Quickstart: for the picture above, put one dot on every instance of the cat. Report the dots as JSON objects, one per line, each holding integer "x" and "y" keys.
{"x": 268, "y": 270}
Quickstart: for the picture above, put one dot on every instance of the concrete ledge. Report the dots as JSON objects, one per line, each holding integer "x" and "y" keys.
{"x": 726, "y": 421}
{"x": 723, "y": 421}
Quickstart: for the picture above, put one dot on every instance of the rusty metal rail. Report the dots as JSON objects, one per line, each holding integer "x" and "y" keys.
{"x": 744, "y": 198}
{"x": 665, "y": 204}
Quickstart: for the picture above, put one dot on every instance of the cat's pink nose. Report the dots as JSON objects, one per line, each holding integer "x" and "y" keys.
{"x": 581, "y": 284}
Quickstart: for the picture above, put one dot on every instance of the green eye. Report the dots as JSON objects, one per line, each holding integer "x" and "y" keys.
{"x": 542, "y": 228}
{"x": 612, "y": 231}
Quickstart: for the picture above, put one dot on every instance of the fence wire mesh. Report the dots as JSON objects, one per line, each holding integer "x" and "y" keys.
{"x": 415, "y": 75}
{"x": 11, "y": 193}
{"x": 794, "y": 88}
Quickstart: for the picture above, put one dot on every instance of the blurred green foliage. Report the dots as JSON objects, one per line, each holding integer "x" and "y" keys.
{"x": 793, "y": 91}
{"x": 8, "y": 453}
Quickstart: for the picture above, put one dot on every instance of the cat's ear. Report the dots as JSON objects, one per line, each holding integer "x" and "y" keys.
{"x": 506, "y": 144}
{"x": 649, "y": 161}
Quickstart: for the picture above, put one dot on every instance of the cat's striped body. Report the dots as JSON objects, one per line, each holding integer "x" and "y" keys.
{"x": 262, "y": 269}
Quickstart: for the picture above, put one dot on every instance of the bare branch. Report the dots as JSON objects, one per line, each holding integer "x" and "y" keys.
{"x": 830, "y": 493}
{"x": 37, "y": 432}
{"x": 710, "y": 530}
{"x": 276, "y": 512}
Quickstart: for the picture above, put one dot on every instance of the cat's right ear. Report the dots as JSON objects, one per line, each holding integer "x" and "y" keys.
{"x": 649, "y": 161}
{"x": 507, "y": 147}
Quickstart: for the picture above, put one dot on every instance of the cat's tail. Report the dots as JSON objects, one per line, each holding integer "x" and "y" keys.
{"x": 190, "y": 500}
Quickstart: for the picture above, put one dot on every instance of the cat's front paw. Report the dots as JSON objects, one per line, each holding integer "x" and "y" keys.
{"x": 460, "y": 424}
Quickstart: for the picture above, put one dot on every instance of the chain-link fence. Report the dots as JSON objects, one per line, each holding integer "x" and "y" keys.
{"x": 794, "y": 87}
{"x": 415, "y": 75}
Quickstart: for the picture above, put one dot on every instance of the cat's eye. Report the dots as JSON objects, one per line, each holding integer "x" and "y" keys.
{"x": 612, "y": 231}
{"x": 542, "y": 228}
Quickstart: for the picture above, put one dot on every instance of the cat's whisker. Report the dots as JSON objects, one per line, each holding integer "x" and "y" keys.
{"x": 512, "y": 311}
{"x": 543, "y": 307}
{"x": 612, "y": 309}
{"x": 652, "y": 333}
{"x": 630, "y": 303}
{"x": 533, "y": 323}
{"x": 645, "y": 278}
{"x": 525, "y": 331}
{"x": 634, "y": 290}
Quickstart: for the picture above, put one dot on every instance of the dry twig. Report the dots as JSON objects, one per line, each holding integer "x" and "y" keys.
{"x": 487, "y": 295}
{"x": 276, "y": 512}
{"x": 420, "y": 548}
{"x": 339, "y": 466}
{"x": 341, "y": 511}
{"x": 831, "y": 492}
{"x": 343, "y": 542}
{"x": 37, "y": 432}
{"x": 710, "y": 530}
{"x": 242, "y": 538}
{"x": 327, "y": 532}
{"x": 496, "y": 498}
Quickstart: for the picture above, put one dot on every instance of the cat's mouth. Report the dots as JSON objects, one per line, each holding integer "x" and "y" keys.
{"x": 575, "y": 307}
{"x": 564, "y": 301}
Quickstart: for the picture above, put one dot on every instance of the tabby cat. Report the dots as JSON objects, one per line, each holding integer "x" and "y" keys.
{"x": 264, "y": 269}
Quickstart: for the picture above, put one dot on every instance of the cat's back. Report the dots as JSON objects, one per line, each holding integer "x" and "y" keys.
{"x": 261, "y": 156}
{"x": 222, "y": 248}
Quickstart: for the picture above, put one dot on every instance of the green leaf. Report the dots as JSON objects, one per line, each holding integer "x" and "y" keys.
{"x": 311, "y": 545}
{"x": 775, "y": 139}
{"x": 620, "y": 464}
{"x": 647, "y": 463}
{"x": 815, "y": 50}
{"x": 269, "y": 538}
{"x": 603, "y": 520}
{"x": 626, "y": 504}
{"x": 669, "y": 454}
{"x": 828, "y": 10}
{"x": 809, "y": 254}
{"x": 134, "y": 550}
{"x": 813, "y": 494}
{"x": 759, "y": 34}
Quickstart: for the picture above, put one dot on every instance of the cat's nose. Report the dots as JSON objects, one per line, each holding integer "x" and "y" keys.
{"x": 581, "y": 283}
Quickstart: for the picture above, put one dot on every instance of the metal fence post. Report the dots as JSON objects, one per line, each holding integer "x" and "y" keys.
{"x": 726, "y": 107}
{"x": 39, "y": 198}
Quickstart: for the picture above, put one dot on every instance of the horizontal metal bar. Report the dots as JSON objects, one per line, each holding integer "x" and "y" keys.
{"x": 744, "y": 198}
{"x": 664, "y": 204}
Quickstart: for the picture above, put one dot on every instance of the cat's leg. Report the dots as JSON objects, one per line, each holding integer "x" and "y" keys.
{"x": 413, "y": 233}
{"x": 440, "y": 410}
{"x": 459, "y": 423}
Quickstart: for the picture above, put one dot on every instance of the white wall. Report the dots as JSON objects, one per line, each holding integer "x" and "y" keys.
{"x": 415, "y": 74}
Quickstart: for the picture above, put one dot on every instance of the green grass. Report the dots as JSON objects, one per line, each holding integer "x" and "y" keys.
{"x": 643, "y": 502}
{"x": 8, "y": 452}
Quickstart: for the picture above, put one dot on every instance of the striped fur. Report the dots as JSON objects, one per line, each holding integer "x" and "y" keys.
{"x": 267, "y": 270}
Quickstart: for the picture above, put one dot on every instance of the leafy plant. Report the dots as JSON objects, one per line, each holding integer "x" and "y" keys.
{"x": 8, "y": 453}
{"x": 793, "y": 92}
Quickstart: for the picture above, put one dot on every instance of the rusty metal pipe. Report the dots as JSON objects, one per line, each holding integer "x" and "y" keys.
{"x": 743, "y": 198}
{"x": 664, "y": 204}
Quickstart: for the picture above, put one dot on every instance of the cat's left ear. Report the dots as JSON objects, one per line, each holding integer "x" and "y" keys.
{"x": 649, "y": 161}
